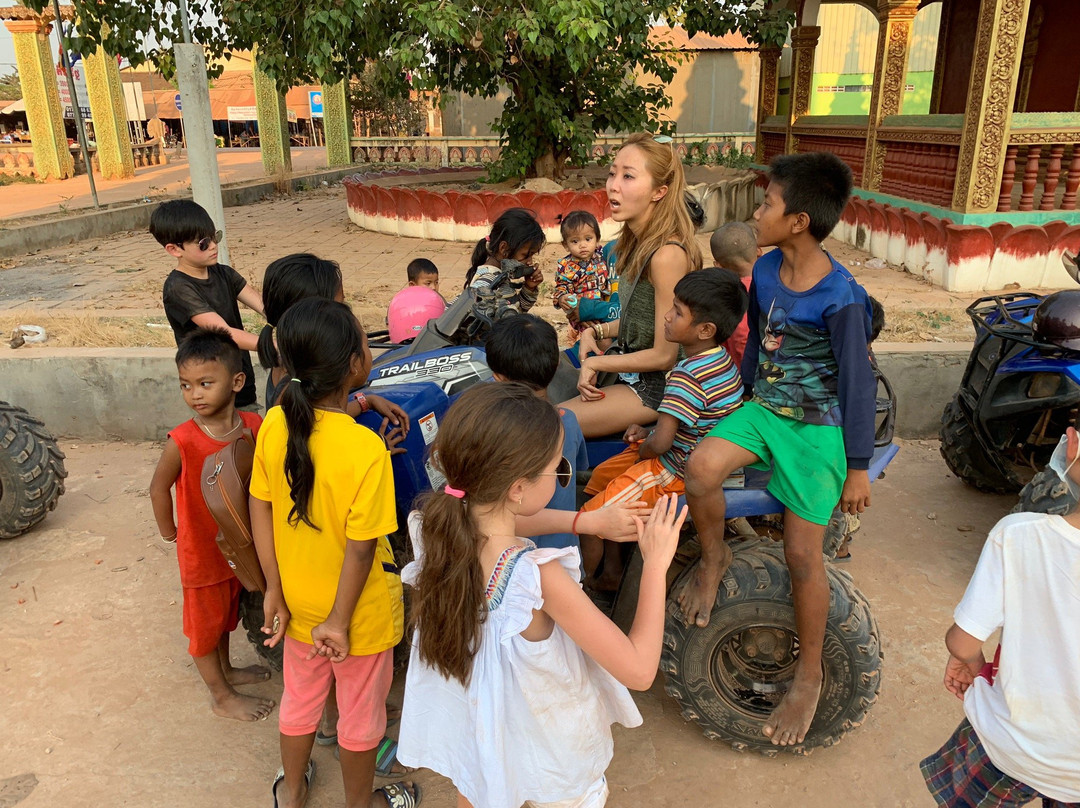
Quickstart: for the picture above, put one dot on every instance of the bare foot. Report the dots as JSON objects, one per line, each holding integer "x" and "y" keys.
{"x": 251, "y": 675}
{"x": 699, "y": 595}
{"x": 790, "y": 721}
{"x": 242, "y": 708}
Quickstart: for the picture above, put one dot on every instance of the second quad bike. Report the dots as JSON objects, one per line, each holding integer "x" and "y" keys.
{"x": 1019, "y": 392}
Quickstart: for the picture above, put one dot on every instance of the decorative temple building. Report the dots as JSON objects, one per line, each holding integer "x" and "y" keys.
{"x": 981, "y": 192}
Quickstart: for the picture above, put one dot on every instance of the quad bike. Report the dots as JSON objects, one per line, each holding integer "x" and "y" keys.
{"x": 726, "y": 677}
{"x": 1019, "y": 392}
{"x": 31, "y": 471}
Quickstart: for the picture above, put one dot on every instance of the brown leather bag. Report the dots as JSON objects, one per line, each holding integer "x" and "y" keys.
{"x": 226, "y": 475}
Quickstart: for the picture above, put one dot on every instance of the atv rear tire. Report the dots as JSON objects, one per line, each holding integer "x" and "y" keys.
{"x": 1046, "y": 493}
{"x": 31, "y": 471}
{"x": 251, "y": 618}
{"x": 729, "y": 676}
{"x": 966, "y": 457}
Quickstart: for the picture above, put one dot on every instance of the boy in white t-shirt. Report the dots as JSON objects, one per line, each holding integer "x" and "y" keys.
{"x": 1018, "y": 740}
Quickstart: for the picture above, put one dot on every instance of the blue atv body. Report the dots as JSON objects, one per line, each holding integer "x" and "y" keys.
{"x": 730, "y": 675}
{"x": 1018, "y": 394}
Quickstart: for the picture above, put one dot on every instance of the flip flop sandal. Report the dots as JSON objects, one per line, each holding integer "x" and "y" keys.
{"x": 325, "y": 740}
{"x": 399, "y": 795}
{"x": 309, "y": 775}
{"x": 844, "y": 559}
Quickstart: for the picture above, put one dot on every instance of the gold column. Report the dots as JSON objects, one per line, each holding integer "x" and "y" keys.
{"x": 995, "y": 67}
{"x": 107, "y": 107}
{"x": 890, "y": 78}
{"x": 768, "y": 89}
{"x": 804, "y": 40}
{"x": 337, "y": 124}
{"x": 37, "y": 73}
{"x": 273, "y": 124}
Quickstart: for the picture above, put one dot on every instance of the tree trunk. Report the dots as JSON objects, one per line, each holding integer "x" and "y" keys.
{"x": 545, "y": 165}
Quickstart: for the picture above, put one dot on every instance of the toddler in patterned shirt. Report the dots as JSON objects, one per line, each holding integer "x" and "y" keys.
{"x": 583, "y": 273}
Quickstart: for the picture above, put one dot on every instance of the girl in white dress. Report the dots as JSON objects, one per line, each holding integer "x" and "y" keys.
{"x": 515, "y": 677}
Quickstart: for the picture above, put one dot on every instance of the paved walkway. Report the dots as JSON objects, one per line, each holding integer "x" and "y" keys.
{"x": 234, "y": 165}
{"x": 121, "y": 275}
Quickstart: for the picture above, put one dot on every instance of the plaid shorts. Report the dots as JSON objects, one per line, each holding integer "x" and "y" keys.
{"x": 961, "y": 775}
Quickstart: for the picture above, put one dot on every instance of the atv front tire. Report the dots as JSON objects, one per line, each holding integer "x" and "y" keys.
{"x": 31, "y": 471}
{"x": 1046, "y": 493}
{"x": 966, "y": 457}
{"x": 729, "y": 676}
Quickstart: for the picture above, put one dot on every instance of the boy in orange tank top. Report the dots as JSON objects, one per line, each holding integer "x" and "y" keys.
{"x": 209, "y": 365}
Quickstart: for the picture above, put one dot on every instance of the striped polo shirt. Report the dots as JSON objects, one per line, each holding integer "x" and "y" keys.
{"x": 699, "y": 392}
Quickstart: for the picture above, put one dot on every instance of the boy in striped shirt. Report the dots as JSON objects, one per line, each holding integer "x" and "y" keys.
{"x": 700, "y": 390}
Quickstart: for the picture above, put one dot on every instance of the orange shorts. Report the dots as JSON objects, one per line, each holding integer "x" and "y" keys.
{"x": 363, "y": 683}
{"x": 210, "y": 612}
{"x": 626, "y": 478}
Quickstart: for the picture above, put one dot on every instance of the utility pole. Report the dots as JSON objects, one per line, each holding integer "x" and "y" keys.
{"x": 198, "y": 128}
{"x": 65, "y": 60}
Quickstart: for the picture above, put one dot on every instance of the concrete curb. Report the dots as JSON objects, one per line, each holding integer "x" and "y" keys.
{"x": 76, "y": 227}
{"x": 132, "y": 393}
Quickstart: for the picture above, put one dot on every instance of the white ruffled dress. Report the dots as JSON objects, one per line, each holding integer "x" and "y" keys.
{"x": 534, "y": 721}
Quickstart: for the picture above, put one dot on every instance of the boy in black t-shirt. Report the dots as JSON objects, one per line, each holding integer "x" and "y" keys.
{"x": 200, "y": 292}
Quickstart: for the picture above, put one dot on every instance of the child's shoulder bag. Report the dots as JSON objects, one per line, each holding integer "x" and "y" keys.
{"x": 226, "y": 475}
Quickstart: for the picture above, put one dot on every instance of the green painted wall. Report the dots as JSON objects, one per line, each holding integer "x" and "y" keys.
{"x": 830, "y": 102}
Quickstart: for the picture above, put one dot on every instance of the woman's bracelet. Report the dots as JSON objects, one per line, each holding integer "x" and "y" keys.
{"x": 361, "y": 399}
{"x": 573, "y": 525}
{"x": 169, "y": 539}
{"x": 598, "y": 330}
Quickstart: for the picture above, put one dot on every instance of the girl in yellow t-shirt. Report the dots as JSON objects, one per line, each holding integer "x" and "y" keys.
{"x": 322, "y": 506}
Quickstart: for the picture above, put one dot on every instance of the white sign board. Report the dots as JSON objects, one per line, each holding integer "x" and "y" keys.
{"x": 133, "y": 101}
{"x": 80, "y": 88}
{"x": 243, "y": 113}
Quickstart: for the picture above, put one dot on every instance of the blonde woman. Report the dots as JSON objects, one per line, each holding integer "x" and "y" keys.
{"x": 656, "y": 248}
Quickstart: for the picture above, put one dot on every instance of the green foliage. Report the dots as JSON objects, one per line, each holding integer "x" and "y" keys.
{"x": 573, "y": 68}
{"x": 10, "y": 87}
{"x": 379, "y": 99}
{"x": 17, "y": 179}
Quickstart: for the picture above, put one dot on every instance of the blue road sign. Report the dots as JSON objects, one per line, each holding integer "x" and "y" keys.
{"x": 176, "y": 100}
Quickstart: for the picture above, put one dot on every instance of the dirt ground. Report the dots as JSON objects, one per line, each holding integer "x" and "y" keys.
{"x": 107, "y": 292}
{"x": 102, "y": 705}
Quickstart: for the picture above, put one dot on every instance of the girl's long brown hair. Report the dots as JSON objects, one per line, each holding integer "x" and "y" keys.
{"x": 494, "y": 435}
{"x": 669, "y": 221}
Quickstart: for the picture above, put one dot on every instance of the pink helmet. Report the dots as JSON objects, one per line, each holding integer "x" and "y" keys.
{"x": 410, "y": 311}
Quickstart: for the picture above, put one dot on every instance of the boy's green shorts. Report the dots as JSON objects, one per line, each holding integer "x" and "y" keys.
{"x": 808, "y": 461}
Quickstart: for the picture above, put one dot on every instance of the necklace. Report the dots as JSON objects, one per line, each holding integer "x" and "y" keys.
{"x": 206, "y": 429}
{"x": 332, "y": 409}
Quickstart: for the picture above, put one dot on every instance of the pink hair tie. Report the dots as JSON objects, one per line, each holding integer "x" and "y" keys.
{"x": 454, "y": 492}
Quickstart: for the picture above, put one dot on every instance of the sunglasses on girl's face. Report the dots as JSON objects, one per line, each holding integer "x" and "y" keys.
{"x": 564, "y": 473}
{"x": 204, "y": 243}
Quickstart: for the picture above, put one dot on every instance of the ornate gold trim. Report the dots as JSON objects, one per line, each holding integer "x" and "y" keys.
{"x": 994, "y": 73}
{"x": 890, "y": 76}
